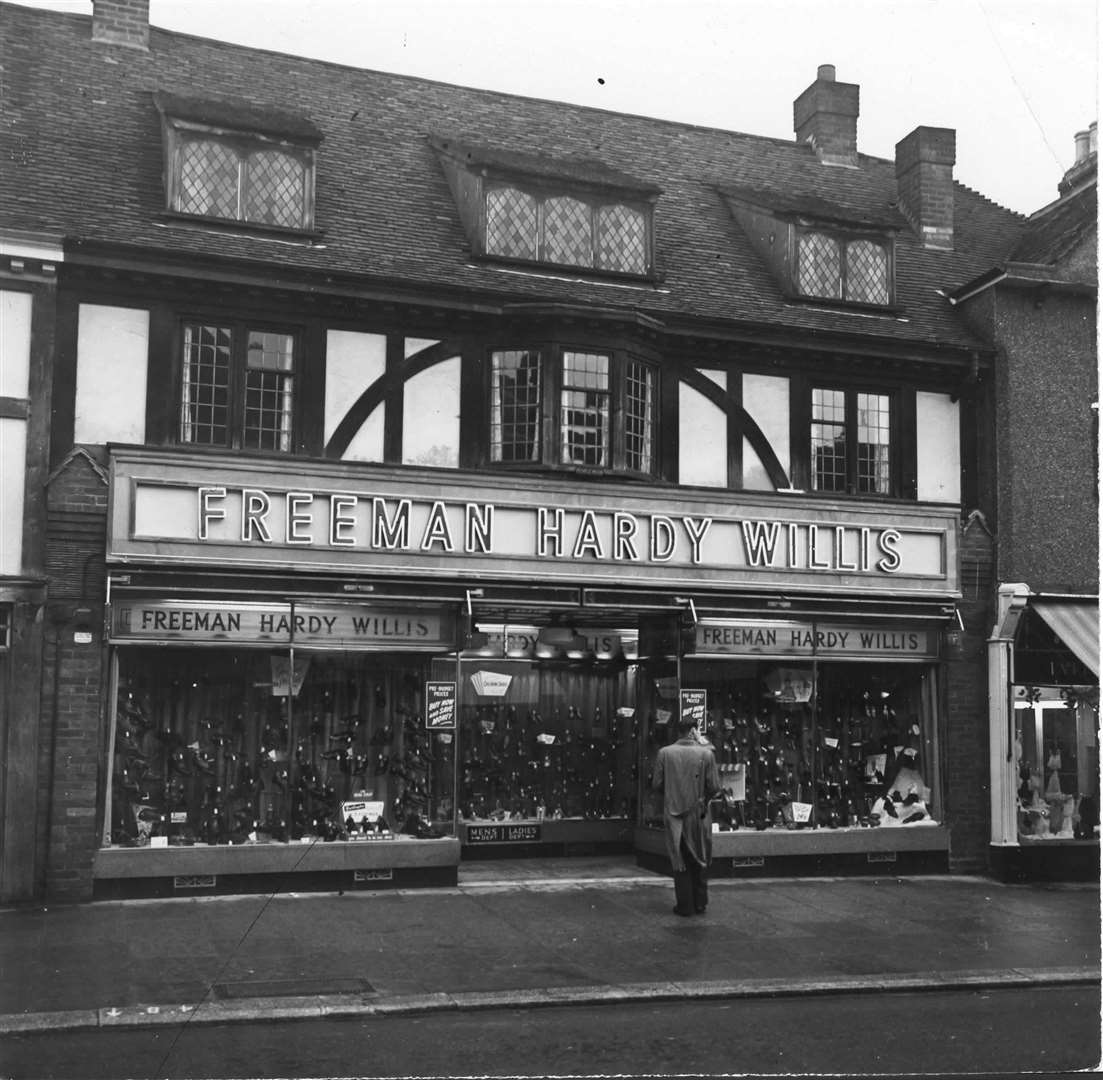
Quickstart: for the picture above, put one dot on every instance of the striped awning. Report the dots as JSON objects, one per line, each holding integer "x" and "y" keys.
{"x": 1077, "y": 625}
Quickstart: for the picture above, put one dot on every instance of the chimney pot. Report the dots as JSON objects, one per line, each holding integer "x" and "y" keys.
{"x": 1082, "y": 139}
{"x": 826, "y": 115}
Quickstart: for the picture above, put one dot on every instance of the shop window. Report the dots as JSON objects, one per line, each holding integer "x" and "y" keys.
{"x": 237, "y": 386}
{"x": 547, "y": 739}
{"x": 851, "y": 443}
{"x": 834, "y": 266}
{"x": 567, "y": 229}
{"x": 815, "y": 746}
{"x": 605, "y": 417}
{"x": 247, "y": 746}
{"x": 1056, "y": 751}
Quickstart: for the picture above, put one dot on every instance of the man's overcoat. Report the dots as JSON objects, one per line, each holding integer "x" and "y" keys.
{"x": 686, "y": 773}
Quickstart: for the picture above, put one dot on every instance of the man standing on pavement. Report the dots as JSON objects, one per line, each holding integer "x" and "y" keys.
{"x": 686, "y": 773}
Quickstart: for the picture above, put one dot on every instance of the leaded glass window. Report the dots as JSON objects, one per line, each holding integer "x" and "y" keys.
{"x": 867, "y": 272}
{"x": 511, "y": 223}
{"x": 268, "y": 385}
{"x": 820, "y": 268}
{"x": 516, "y": 429}
{"x": 237, "y": 387}
{"x": 639, "y": 410}
{"x": 839, "y": 268}
{"x": 584, "y": 419}
{"x": 205, "y": 397}
{"x": 828, "y": 440}
{"x": 237, "y": 179}
{"x": 851, "y": 442}
{"x": 275, "y": 189}
{"x": 622, "y": 239}
{"x": 873, "y": 444}
{"x": 567, "y": 230}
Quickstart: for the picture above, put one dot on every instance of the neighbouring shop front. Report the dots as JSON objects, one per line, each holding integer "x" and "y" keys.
{"x": 362, "y": 680}
{"x": 1044, "y": 708}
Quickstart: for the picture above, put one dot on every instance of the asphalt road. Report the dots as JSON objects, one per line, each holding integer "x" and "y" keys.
{"x": 996, "y": 1032}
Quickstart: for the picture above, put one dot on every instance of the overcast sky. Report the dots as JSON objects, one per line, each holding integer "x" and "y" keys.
{"x": 1016, "y": 78}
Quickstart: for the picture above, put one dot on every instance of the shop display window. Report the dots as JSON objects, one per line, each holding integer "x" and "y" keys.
{"x": 1056, "y": 751}
{"x": 235, "y": 746}
{"x": 547, "y": 740}
{"x": 811, "y": 745}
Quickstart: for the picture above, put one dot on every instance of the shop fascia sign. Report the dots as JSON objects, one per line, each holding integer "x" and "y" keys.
{"x": 152, "y": 619}
{"x": 812, "y": 639}
{"x": 387, "y": 522}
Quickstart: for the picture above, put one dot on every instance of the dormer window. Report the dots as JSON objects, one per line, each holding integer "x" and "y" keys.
{"x": 238, "y": 163}
{"x": 837, "y": 266}
{"x": 566, "y": 230}
{"x": 818, "y": 250}
{"x": 573, "y": 214}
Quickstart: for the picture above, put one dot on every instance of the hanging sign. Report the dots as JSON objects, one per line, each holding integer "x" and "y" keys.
{"x": 284, "y": 681}
{"x": 440, "y": 705}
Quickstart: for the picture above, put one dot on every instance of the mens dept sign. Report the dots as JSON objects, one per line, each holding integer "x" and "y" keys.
{"x": 166, "y": 508}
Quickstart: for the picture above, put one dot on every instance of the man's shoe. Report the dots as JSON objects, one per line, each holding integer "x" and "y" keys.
{"x": 700, "y": 910}
{"x": 679, "y": 911}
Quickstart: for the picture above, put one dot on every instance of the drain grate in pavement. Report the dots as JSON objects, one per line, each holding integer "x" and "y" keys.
{"x": 291, "y": 987}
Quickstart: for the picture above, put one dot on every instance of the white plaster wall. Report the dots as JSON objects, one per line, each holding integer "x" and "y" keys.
{"x": 112, "y": 359}
{"x": 15, "y": 343}
{"x": 938, "y": 448}
{"x": 702, "y": 437}
{"x": 431, "y": 416}
{"x": 766, "y": 400}
{"x": 13, "y": 463}
{"x": 353, "y": 362}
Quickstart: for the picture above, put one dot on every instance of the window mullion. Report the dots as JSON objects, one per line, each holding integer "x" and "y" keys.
{"x": 239, "y": 353}
{"x": 852, "y": 442}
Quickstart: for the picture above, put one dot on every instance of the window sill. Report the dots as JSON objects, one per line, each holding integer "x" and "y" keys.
{"x": 561, "y": 269}
{"x": 578, "y": 472}
{"x": 305, "y": 237}
{"x": 849, "y": 306}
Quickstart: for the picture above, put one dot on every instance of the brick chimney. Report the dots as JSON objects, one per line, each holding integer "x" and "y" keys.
{"x": 121, "y": 22}
{"x": 826, "y": 115}
{"x": 925, "y": 184}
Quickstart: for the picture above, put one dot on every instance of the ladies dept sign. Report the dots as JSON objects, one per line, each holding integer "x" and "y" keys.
{"x": 168, "y": 508}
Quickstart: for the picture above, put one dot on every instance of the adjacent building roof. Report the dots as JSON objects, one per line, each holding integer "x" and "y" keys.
{"x": 81, "y": 143}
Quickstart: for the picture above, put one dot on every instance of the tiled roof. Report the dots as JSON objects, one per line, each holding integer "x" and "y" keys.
{"x": 81, "y": 145}
{"x": 1053, "y": 232}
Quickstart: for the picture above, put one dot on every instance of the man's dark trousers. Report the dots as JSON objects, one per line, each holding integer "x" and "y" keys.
{"x": 691, "y": 886}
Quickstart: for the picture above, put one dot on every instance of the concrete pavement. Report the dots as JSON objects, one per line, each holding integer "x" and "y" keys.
{"x": 540, "y": 932}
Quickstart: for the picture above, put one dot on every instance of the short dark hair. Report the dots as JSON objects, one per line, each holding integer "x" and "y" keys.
{"x": 686, "y": 724}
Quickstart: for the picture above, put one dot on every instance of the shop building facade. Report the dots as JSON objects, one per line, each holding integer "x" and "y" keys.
{"x": 421, "y": 462}
{"x": 1038, "y": 307}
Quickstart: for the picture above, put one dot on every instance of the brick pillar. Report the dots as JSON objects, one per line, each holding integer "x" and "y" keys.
{"x": 965, "y": 751}
{"x": 73, "y": 738}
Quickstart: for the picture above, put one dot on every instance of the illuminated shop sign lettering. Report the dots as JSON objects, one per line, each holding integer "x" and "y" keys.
{"x": 175, "y": 509}
{"x": 375, "y": 523}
